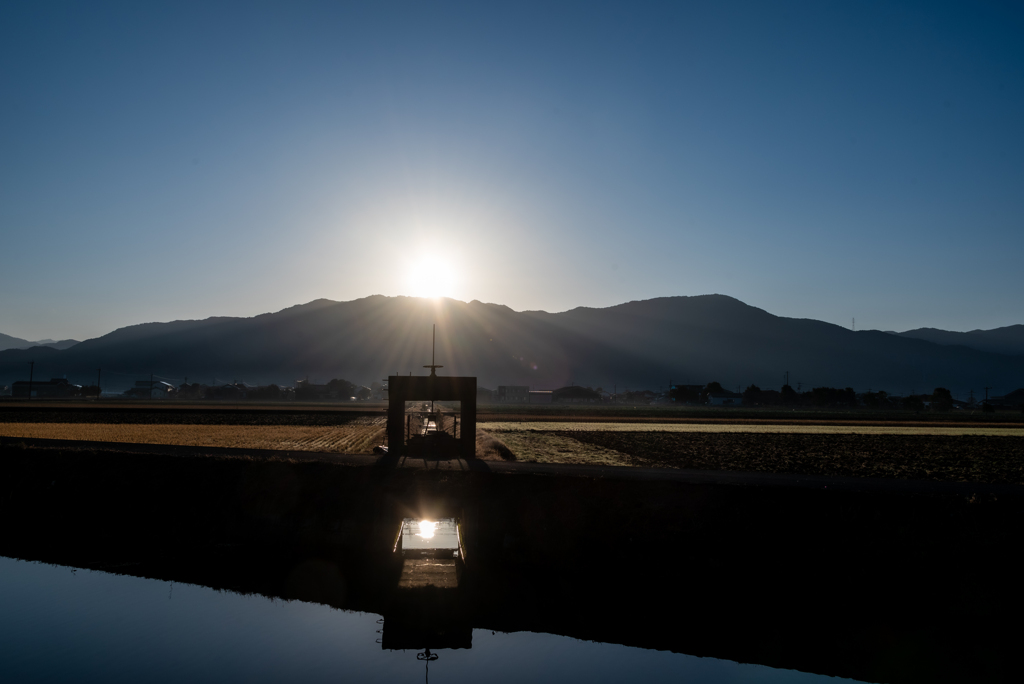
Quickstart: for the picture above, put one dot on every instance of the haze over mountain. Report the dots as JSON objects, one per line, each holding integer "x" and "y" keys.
{"x": 641, "y": 344}
{"x": 9, "y": 342}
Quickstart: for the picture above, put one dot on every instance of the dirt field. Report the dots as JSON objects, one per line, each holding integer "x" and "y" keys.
{"x": 977, "y": 452}
{"x": 550, "y": 447}
{"x": 787, "y": 428}
{"x": 186, "y": 416}
{"x": 706, "y": 414}
{"x": 356, "y": 437}
{"x": 964, "y": 458}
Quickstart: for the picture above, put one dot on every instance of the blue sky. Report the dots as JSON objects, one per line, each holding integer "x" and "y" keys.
{"x": 818, "y": 159}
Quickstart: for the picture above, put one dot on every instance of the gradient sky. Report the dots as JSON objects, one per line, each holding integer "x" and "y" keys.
{"x": 816, "y": 159}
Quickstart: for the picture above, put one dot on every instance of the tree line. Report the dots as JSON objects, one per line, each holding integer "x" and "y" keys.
{"x": 940, "y": 399}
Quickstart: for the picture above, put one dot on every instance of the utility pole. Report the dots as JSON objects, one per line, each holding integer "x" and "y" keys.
{"x": 986, "y": 393}
{"x": 31, "y": 369}
{"x": 787, "y": 377}
{"x": 99, "y": 374}
{"x": 853, "y": 324}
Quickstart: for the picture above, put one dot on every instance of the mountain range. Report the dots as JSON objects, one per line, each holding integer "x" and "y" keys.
{"x": 1008, "y": 340}
{"x": 8, "y": 342}
{"x": 640, "y": 344}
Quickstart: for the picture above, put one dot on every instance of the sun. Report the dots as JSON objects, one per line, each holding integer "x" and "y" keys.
{"x": 432, "y": 276}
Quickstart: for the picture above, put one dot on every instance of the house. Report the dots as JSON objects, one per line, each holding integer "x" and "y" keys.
{"x": 337, "y": 389}
{"x": 152, "y": 389}
{"x": 640, "y": 397}
{"x": 575, "y": 395}
{"x": 55, "y": 387}
{"x": 513, "y": 394}
{"x": 193, "y": 391}
{"x": 228, "y": 391}
{"x": 541, "y": 396}
{"x": 686, "y": 394}
{"x": 307, "y": 391}
{"x": 1014, "y": 398}
{"x": 725, "y": 399}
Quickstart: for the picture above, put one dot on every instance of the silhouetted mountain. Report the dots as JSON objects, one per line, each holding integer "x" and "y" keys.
{"x": 8, "y": 342}
{"x": 56, "y": 344}
{"x": 640, "y": 344}
{"x": 1008, "y": 340}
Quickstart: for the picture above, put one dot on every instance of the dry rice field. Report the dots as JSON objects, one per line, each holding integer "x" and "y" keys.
{"x": 549, "y": 447}
{"x": 357, "y": 437}
{"x": 568, "y": 426}
{"x": 949, "y": 458}
{"x": 961, "y": 453}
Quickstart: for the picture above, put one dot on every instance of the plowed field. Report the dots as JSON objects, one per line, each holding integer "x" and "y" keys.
{"x": 358, "y": 437}
{"x": 963, "y": 458}
{"x": 980, "y": 453}
{"x": 776, "y": 428}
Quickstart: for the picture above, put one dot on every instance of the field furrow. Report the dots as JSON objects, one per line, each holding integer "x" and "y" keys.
{"x": 751, "y": 428}
{"x": 962, "y": 458}
{"x": 354, "y": 438}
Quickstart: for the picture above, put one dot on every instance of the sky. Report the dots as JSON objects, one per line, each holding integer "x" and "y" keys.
{"x": 827, "y": 160}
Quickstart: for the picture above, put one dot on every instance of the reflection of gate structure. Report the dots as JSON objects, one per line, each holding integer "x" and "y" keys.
{"x": 431, "y": 388}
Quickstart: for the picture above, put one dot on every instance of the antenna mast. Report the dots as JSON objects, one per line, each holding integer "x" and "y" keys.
{"x": 433, "y": 346}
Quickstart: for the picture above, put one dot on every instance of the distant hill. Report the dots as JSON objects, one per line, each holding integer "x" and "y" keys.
{"x": 640, "y": 344}
{"x": 8, "y": 342}
{"x": 1008, "y": 340}
{"x": 56, "y": 344}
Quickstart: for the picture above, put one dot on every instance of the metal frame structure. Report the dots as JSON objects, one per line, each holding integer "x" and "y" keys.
{"x": 403, "y": 388}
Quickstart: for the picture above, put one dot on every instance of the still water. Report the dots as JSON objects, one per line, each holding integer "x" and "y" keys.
{"x": 59, "y": 624}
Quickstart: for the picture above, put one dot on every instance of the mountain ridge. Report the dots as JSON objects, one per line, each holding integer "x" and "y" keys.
{"x": 643, "y": 343}
{"x": 10, "y": 342}
{"x": 1007, "y": 340}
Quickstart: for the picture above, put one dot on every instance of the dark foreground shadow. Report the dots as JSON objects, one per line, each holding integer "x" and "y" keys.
{"x": 878, "y": 587}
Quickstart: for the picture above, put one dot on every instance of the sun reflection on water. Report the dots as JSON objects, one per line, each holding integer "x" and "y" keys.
{"x": 427, "y": 529}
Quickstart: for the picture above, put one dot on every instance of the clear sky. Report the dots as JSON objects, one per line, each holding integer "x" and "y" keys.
{"x": 817, "y": 159}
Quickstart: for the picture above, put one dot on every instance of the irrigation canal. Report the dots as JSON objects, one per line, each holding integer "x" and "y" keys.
{"x": 881, "y": 585}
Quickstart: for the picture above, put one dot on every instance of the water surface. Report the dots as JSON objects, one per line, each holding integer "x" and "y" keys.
{"x": 61, "y": 624}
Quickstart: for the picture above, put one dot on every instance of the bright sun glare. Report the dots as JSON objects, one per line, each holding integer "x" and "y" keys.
{"x": 431, "y": 276}
{"x": 427, "y": 529}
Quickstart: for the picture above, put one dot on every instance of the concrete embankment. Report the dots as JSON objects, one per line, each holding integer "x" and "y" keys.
{"x": 892, "y": 586}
